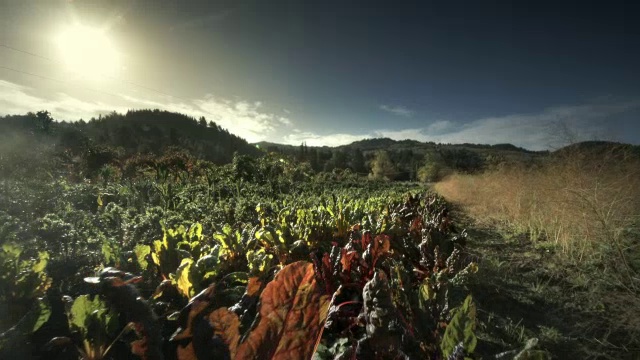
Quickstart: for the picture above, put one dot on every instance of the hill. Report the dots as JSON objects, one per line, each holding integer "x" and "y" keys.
{"x": 407, "y": 156}
{"x": 32, "y": 136}
{"x": 43, "y": 143}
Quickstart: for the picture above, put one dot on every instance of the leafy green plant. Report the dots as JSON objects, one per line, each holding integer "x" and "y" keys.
{"x": 23, "y": 279}
{"x": 165, "y": 253}
{"x": 459, "y": 337}
{"x": 96, "y": 324}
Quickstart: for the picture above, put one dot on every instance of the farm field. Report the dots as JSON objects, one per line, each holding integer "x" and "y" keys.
{"x": 319, "y": 180}
{"x": 351, "y": 267}
{"x": 110, "y": 253}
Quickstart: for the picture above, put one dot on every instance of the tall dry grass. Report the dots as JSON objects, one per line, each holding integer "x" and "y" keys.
{"x": 586, "y": 201}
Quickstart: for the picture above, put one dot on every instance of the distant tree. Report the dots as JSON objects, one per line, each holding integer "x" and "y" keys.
{"x": 462, "y": 160}
{"x": 433, "y": 168}
{"x": 74, "y": 140}
{"x": 202, "y": 122}
{"x": 338, "y": 160}
{"x": 314, "y": 159}
{"x": 302, "y": 152}
{"x": 44, "y": 120}
{"x": 173, "y": 137}
{"x": 357, "y": 162}
{"x": 382, "y": 167}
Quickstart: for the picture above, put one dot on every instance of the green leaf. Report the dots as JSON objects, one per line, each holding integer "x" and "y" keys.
{"x": 82, "y": 306}
{"x": 12, "y": 250}
{"x": 41, "y": 264}
{"x": 195, "y": 231}
{"x": 42, "y": 312}
{"x": 461, "y": 329}
{"x": 183, "y": 282}
{"x": 107, "y": 252}
{"x": 266, "y": 236}
{"x": 258, "y": 261}
{"x": 142, "y": 251}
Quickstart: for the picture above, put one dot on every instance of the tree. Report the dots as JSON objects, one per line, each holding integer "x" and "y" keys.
{"x": 314, "y": 159}
{"x": 357, "y": 163}
{"x": 382, "y": 167}
{"x": 434, "y": 168}
{"x": 462, "y": 160}
{"x": 338, "y": 161}
{"x": 203, "y": 122}
{"x": 44, "y": 120}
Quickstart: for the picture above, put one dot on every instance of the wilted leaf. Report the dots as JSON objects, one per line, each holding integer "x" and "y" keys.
{"x": 292, "y": 312}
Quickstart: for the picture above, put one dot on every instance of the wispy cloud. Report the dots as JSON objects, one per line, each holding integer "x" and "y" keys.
{"x": 538, "y": 131}
{"x": 250, "y": 119}
{"x": 18, "y": 99}
{"x": 397, "y": 110}
{"x": 312, "y": 139}
{"x": 243, "y": 118}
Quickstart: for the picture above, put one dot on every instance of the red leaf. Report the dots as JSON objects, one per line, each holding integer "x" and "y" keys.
{"x": 293, "y": 310}
{"x": 226, "y": 324}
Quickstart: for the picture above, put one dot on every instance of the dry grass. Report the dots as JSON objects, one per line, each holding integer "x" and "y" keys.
{"x": 585, "y": 202}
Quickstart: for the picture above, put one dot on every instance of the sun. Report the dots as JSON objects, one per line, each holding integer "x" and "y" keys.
{"x": 88, "y": 51}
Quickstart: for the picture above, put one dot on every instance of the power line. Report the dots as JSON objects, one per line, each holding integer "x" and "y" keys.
{"x": 104, "y": 76}
{"x": 26, "y": 52}
{"x": 57, "y": 80}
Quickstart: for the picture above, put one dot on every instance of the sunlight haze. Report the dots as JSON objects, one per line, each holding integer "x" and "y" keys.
{"x": 328, "y": 73}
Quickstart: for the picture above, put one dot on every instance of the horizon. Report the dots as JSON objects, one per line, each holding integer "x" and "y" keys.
{"x": 329, "y": 74}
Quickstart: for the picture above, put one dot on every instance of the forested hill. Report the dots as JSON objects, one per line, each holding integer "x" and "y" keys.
{"x": 40, "y": 141}
{"x": 136, "y": 132}
{"x": 405, "y": 159}
{"x": 147, "y": 131}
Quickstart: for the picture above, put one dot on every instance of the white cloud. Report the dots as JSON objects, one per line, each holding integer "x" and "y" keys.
{"x": 439, "y": 127}
{"x": 243, "y": 118}
{"x": 284, "y": 120}
{"x": 312, "y": 139}
{"x": 537, "y": 131}
{"x": 17, "y": 99}
{"x": 397, "y": 110}
{"x": 249, "y": 120}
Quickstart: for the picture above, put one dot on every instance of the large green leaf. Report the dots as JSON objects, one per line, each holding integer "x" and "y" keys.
{"x": 42, "y": 314}
{"x": 142, "y": 251}
{"x": 183, "y": 280}
{"x": 461, "y": 329}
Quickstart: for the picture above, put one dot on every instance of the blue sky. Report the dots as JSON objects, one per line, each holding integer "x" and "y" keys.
{"x": 534, "y": 74}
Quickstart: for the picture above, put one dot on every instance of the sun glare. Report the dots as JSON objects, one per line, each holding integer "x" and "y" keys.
{"x": 88, "y": 51}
